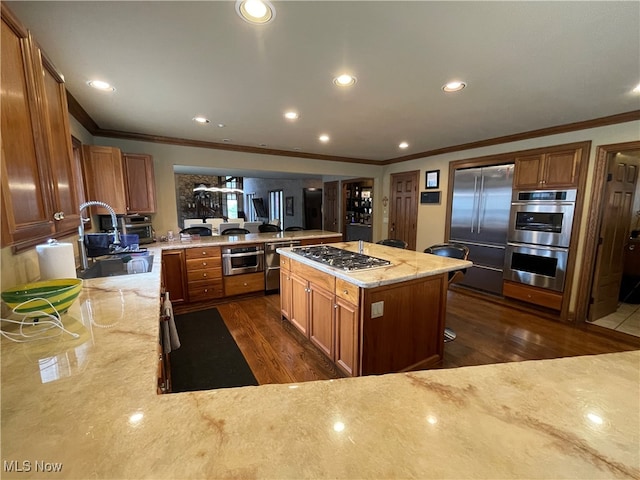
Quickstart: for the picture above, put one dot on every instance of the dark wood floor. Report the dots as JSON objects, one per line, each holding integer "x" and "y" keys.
{"x": 487, "y": 332}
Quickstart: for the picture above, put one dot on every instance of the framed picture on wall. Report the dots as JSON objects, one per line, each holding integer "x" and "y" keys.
{"x": 288, "y": 206}
{"x": 432, "y": 179}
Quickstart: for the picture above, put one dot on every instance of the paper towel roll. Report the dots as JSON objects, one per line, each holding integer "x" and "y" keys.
{"x": 56, "y": 260}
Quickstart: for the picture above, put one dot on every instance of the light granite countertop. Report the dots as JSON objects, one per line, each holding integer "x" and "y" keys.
{"x": 405, "y": 264}
{"x": 220, "y": 240}
{"x": 89, "y": 407}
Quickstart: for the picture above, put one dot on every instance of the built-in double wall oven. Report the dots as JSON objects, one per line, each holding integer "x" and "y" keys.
{"x": 538, "y": 238}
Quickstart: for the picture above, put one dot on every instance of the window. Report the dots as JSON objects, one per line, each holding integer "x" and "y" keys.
{"x": 276, "y": 207}
{"x": 230, "y": 200}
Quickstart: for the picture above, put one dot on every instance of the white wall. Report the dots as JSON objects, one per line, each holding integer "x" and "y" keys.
{"x": 166, "y": 156}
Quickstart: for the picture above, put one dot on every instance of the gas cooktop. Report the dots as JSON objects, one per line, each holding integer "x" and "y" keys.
{"x": 339, "y": 258}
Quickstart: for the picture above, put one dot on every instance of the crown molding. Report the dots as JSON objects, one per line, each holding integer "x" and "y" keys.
{"x": 92, "y": 127}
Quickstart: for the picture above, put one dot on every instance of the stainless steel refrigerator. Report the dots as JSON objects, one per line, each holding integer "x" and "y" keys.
{"x": 479, "y": 220}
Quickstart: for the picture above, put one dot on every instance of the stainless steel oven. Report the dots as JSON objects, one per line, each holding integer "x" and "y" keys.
{"x": 540, "y": 266}
{"x": 242, "y": 259}
{"x": 542, "y": 217}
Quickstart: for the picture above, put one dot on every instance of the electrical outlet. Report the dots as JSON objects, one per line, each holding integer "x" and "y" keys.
{"x": 377, "y": 309}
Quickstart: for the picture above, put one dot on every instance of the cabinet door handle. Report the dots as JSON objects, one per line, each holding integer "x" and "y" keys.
{"x": 346, "y": 292}
{"x": 58, "y": 216}
{"x": 244, "y": 284}
{"x": 204, "y": 274}
{"x": 335, "y": 306}
{"x": 206, "y": 290}
{"x": 204, "y": 264}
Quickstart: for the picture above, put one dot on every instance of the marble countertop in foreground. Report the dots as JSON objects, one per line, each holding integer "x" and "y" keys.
{"x": 405, "y": 264}
{"x": 89, "y": 406}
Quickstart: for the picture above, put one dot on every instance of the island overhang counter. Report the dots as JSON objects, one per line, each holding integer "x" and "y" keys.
{"x": 90, "y": 409}
{"x": 374, "y": 320}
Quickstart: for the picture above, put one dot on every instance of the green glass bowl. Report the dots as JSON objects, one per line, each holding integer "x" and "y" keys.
{"x": 61, "y": 293}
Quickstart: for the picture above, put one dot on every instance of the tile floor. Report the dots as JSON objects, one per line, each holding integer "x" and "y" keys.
{"x": 626, "y": 319}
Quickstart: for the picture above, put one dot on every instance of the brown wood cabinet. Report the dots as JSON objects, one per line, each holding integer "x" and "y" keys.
{"x": 322, "y": 318}
{"x": 243, "y": 284}
{"x": 548, "y": 170}
{"x": 346, "y": 335}
{"x": 36, "y": 143}
{"x": 530, "y": 294}
{"x": 337, "y": 316}
{"x": 124, "y": 181}
{"x": 173, "y": 275}
{"x": 140, "y": 191}
{"x": 204, "y": 273}
{"x": 299, "y": 311}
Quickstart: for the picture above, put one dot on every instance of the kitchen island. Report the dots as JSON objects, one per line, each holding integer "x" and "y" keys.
{"x": 371, "y": 309}
{"x": 89, "y": 408}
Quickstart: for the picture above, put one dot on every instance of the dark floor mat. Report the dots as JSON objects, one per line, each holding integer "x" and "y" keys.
{"x": 209, "y": 357}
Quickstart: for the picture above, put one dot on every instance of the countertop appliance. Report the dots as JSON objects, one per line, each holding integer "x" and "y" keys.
{"x": 339, "y": 258}
{"x": 130, "y": 224}
{"x": 480, "y": 220}
{"x": 540, "y": 228}
{"x": 242, "y": 259}
{"x": 272, "y": 263}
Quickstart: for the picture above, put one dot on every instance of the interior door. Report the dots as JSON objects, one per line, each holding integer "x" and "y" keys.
{"x": 403, "y": 207}
{"x": 622, "y": 177}
{"x": 330, "y": 207}
{"x": 312, "y": 208}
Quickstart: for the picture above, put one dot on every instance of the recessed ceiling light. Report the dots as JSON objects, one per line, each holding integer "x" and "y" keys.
{"x": 344, "y": 80}
{"x": 201, "y": 120}
{"x": 257, "y": 12}
{"x": 226, "y": 140}
{"x": 221, "y": 125}
{"x": 453, "y": 86}
{"x": 100, "y": 85}
{"x": 403, "y": 145}
{"x": 291, "y": 115}
{"x": 637, "y": 89}
{"x": 263, "y": 144}
{"x": 324, "y": 138}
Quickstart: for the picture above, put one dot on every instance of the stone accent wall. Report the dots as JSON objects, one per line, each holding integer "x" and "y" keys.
{"x": 189, "y": 206}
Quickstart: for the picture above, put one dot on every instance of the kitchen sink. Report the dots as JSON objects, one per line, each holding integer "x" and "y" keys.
{"x": 117, "y": 265}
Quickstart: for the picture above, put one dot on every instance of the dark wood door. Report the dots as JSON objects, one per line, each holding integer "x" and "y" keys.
{"x": 330, "y": 207}
{"x": 403, "y": 207}
{"x": 622, "y": 177}
{"x": 312, "y": 208}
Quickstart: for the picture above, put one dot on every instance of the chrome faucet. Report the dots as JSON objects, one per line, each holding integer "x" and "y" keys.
{"x": 84, "y": 260}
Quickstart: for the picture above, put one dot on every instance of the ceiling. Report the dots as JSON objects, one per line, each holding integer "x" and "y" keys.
{"x": 527, "y": 65}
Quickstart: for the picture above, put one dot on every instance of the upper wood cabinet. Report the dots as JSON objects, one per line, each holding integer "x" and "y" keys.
{"x": 40, "y": 176}
{"x": 123, "y": 181}
{"x": 548, "y": 170}
{"x": 141, "y": 193}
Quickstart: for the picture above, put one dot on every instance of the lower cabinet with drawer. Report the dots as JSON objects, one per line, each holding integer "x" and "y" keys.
{"x": 204, "y": 273}
{"x": 242, "y": 284}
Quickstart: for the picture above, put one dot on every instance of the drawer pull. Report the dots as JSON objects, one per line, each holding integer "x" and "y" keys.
{"x": 206, "y": 290}
{"x": 245, "y": 284}
{"x": 204, "y": 274}
{"x": 346, "y": 292}
{"x": 204, "y": 264}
